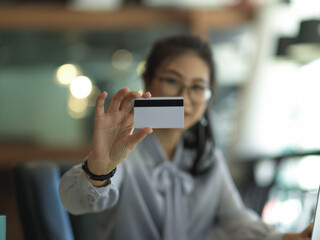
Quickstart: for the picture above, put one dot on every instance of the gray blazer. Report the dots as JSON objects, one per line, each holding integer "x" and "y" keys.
{"x": 151, "y": 198}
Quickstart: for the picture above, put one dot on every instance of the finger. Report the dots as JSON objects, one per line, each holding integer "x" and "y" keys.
{"x": 100, "y": 104}
{"x": 129, "y": 120}
{"x": 127, "y": 101}
{"x": 146, "y": 95}
{"x": 131, "y": 111}
{"x": 137, "y": 137}
{"x": 117, "y": 99}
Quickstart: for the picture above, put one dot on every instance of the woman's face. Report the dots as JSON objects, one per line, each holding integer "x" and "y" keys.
{"x": 189, "y": 73}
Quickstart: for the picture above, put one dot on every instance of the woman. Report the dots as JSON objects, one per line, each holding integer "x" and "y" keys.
{"x": 163, "y": 183}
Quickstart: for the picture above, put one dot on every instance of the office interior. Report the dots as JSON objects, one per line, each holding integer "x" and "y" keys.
{"x": 56, "y": 56}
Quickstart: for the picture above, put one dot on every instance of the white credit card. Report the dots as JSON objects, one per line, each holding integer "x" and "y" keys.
{"x": 159, "y": 112}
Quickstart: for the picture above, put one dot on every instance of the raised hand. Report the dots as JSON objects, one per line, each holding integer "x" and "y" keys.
{"x": 112, "y": 137}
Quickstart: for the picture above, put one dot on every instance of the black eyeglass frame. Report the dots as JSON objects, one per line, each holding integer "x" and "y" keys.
{"x": 208, "y": 91}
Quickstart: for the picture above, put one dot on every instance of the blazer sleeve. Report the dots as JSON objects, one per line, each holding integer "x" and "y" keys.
{"x": 234, "y": 220}
{"x": 79, "y": 196}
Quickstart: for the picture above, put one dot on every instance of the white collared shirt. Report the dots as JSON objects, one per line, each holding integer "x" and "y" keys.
{"x": 151, "y": 198}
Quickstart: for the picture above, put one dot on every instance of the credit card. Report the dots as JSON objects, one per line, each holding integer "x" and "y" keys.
{"x": 159, "y": 112}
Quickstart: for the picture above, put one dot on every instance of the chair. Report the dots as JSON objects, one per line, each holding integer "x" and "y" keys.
{"x": 42, "y": 215}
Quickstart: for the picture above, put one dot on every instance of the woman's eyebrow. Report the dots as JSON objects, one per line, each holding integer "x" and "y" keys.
{"x": 174, "y": 72}
{"x": 170, "y": 71}
{"x": 199, "y": 80}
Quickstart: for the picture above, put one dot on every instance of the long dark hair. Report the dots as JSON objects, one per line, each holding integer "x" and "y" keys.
{"x": 199, "y": 136}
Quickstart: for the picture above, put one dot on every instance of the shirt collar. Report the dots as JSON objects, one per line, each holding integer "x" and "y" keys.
{"x": 153, "y": 147}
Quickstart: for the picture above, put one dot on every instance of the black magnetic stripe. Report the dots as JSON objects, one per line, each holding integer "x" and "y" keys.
{"x": 159, "y": 103}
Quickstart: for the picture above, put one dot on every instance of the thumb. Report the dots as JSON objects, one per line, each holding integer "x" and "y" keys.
{"x": 137, "y": 137}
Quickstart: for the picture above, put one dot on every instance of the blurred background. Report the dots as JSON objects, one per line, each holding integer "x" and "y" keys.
{"x": 56, "y": 56}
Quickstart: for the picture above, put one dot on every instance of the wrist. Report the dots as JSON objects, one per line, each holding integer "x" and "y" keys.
{"x": 98, "y": 184}
{"x": 98, "y": 167}
{"x": 95, "y": 177}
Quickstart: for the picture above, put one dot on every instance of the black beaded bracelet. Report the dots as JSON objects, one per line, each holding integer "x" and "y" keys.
{"x": 97, "y": 177}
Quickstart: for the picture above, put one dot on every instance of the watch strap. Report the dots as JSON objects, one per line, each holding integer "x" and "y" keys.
{"x": 97, "y": 177}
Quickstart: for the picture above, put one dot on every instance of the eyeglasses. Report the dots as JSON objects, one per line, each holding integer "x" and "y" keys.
{"x": 198, "y": 94}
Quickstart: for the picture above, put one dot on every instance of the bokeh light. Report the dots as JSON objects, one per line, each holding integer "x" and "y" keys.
{"x": 93, "y": 96}
{"x": 122, "y": 59}
{"x": 81, "y": 87}
{"x": 309, "y": 177}
{"x": 264, "y": 172}
{"x": 77, "y": 108}
{"x": 282, "y": 213}
{"x": 141, "y": 68}
{"x": 66, "y": 73}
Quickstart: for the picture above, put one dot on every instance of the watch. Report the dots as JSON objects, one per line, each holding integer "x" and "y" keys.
{"x": 97, "y": 177}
